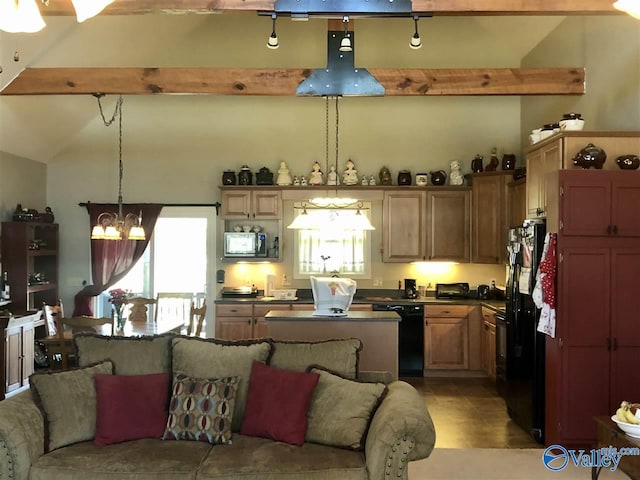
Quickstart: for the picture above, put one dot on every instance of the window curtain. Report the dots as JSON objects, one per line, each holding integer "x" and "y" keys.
{"x": 111, "y": 260}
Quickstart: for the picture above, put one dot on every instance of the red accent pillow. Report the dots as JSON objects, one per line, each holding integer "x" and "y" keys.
{"x": 129, "y": 407}
{"x": 277, "y": 403}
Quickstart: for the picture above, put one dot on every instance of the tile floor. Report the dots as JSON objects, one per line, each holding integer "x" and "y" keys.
{"x": 469, "y": 413}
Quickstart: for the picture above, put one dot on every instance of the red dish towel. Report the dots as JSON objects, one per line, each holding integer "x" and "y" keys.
{"x": 546, "y": 280}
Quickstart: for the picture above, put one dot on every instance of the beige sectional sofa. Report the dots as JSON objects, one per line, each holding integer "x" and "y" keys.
{"x": 398, "y": 431}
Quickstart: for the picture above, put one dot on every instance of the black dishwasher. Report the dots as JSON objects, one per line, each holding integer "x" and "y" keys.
{"x": 410, "y": 337}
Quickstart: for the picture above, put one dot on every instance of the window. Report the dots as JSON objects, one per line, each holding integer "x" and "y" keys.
{"x": 331, "y": 249}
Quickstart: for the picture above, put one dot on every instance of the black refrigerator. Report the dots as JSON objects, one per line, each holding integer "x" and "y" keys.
{"x": 523, "y": 382}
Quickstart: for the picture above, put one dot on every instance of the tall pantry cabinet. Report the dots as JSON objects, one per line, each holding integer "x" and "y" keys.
{"x": 591, "y": 362}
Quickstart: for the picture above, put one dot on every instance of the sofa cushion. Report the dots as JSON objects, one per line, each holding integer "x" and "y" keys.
{"x": 339, "y": 355}
{"x": 341, "y": 410}
{"x": 67, "y": 400}
{"x": 277, "y": 403}
{"x": 130, "y": 355}
{"x": 201, "y": 409}
{"x": 145, "y": 459}
{"x": 213, "y": 358}
{"x": 256, "y": 458}
{"x": 130, "y": 407}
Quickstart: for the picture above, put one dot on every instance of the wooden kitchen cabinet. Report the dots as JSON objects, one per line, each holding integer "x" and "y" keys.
{"x": 516, "y": 203}
{"x": 18, "y": 356}
{"x": 446, "y": 337}
{"x": 489, "y": 204}
{"x": 557, "y": 153}
{"x": 489, "y": 343}
{"x": 404, "y": 226}
{"x": 448, "y": 225}
{"x": 243, "y": 321}
{"x": 251, "y": 204}
{"x": 596, "y": 203}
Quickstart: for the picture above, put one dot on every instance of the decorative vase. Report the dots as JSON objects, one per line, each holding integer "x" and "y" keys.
{"x": 119, "y": 319}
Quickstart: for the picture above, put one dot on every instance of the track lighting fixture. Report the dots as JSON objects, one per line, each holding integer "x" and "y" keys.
{"x": 272, "y": 43}
{"x": 416, "y": 42}
{"x": 345, "y": 44}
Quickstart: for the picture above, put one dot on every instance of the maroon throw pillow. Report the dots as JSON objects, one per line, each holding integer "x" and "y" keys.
{"x": 277, "y": 403}
{"x": 129, "y": 407}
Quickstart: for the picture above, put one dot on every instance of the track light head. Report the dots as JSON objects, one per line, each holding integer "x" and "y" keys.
{"x": 416, "y": 42}
{"x": 272, "y": 42}
{"x": 345, "y": 44}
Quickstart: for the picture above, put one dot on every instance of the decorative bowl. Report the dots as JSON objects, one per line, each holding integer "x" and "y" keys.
{"x": 628, "y": 428}
{"x": 628, "y": 162}
{"x": 571, "y": 124}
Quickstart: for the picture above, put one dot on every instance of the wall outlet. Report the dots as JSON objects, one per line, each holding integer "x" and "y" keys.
{"x": 285, "y": 280}
{"x": 493, "y": 282}
{"x": 377, "y": 282}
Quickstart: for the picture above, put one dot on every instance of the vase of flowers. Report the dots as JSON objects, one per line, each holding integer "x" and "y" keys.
{"x": 118, "y": 299}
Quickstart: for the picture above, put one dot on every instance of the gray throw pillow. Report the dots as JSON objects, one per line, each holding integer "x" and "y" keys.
{"x": 130, "y": 355}
{"x": 339, "y": 355}
{"x": 67, "y": 400}
{"x": 213, "y": 358}
{"x": 341, "y": 410}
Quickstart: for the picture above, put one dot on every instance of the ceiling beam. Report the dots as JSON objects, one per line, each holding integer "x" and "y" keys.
{"x": 283, "y": 81}
{"x": 437, "y": 7}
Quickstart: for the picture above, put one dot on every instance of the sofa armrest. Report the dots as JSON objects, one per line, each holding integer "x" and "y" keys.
{"x": 400, "y": 431}
{"x": 21, "y": 436}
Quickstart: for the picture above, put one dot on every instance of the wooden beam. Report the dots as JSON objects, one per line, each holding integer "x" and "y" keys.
{"x": 283, "y": 81}
{"x": 437, "y": 7}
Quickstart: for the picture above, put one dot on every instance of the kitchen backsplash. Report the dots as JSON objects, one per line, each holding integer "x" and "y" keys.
{"x": 384, "y": 275}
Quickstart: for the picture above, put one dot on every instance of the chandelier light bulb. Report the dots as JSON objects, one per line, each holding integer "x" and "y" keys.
{"x": 272, "y": 42}
{"x": 416, "y": 42}
{"x": 21, "y": 16}
{"x": 632, "y": 7}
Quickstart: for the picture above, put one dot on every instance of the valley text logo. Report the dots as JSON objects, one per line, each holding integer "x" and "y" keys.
{"x": 556, "y": 457}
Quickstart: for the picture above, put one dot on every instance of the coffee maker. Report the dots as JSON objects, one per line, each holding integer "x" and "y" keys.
{"x": 410, "y": 289}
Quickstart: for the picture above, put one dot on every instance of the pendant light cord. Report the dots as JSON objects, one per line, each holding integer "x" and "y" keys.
{"x": 117, "y": 112}
{"x": 337, "y": 129}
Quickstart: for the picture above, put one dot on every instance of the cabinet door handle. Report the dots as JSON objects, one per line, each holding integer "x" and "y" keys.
{"x": 608, "y": 229}
{"x": 608, "y": 343}
{"x": 615, "y": 229}
{"x": 249, "y": 321}
{"x": 615, "y": 343}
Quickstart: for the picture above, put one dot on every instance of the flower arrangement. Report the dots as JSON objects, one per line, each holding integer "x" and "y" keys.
{"x": 119, "y": 298}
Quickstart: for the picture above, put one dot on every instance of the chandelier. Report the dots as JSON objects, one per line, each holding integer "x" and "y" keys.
{"x": 352, "y": 217}
{"x": 112, "y": 226}
{"x": 23, "y": 16}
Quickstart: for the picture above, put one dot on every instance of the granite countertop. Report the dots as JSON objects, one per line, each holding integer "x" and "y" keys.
{"x": 353, "y": 316}
{"x": 372, "y": 296}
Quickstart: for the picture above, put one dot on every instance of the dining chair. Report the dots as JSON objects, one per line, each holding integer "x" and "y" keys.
{"x": 196, "y": 318}
{"x": 138, "y": 310}
{"x": 173, "y": 305}
{"x": 52, "y": 314}
{"x": 69, "y": 326}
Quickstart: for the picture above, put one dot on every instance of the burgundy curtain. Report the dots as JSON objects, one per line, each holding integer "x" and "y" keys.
{"x": 111, "y": 260}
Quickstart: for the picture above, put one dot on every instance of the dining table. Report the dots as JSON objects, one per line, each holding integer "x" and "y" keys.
{"x": 131, "y": 329}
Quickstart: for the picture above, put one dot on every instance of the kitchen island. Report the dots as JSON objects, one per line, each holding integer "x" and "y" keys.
{"x": 377, "y": 330}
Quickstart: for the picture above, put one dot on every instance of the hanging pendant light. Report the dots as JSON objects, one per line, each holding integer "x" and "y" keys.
{"x": 86, "y": 9}
{"x": 113, "y": 226}
{"x": 341, "y": 208}
{"x": 632, "y": 7}
{"x": 20, "y": 16}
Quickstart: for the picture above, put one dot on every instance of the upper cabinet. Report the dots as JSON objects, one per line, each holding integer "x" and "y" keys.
{"x": 448, "y": 224}
{"x": 404, "y": 225}
{"x": 557, "y": 153}
{"x": 427, "y": 225}
{"x": 489, "y": 214}
{"x": 251, "y": 204}
{"x": 596, "y": 203}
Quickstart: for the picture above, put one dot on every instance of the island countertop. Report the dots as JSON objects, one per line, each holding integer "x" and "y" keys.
{"x": 352, "y": 316}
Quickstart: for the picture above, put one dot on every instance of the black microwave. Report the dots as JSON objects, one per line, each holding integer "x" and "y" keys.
{"x": 245, "y": 244}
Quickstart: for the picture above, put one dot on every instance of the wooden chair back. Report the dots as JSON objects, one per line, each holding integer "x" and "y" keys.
{"x": 51, "y": 315}
{"x": 173, "y": 305}
{"x": 196, "y": 318}
{"x": 138, "y": 311}
{"x": 67, "y": 327}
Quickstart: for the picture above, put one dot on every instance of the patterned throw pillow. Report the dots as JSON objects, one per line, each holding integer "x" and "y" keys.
{"x": 201, "y": 409}
{"x": 341, "y": 410}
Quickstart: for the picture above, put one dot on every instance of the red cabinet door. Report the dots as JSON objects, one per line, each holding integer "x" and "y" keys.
{"x": 625, "y": 328}
{"x": 583, "y": 324}
{"x": 585, "y": 203}
{"x": 625, "y": 204}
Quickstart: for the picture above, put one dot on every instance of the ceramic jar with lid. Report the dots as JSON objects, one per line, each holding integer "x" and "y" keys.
{"x": 571, "y": 121}
{"x": 508, "y": 161}
{"x": 628, "y": 162}
{"x": 422, "y": 179}
{"x": 264, "y": 177}
{"x": 404, "y": 177}
{"x": 476, "y": 164}
{"x": 439, "y": 177}
{"x": 590, "y": 156}
{"x": 228, "y": 177}
{"x": 245, "y": 177}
